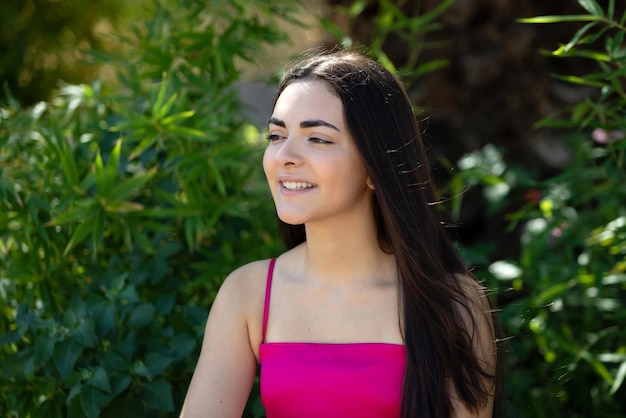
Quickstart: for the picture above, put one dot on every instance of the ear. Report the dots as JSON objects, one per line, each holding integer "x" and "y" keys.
{"x": 369, "y": 183}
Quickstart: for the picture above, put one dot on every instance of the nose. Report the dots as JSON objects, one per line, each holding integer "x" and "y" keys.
{"x": 289, "y": 152}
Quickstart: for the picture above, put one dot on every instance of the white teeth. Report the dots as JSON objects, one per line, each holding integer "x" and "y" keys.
{"x": 296, "y": 185}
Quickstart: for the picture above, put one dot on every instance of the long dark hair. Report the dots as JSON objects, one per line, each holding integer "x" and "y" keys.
{"x": 380, "y": 118}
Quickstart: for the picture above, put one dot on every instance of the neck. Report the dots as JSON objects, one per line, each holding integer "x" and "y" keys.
{"x": 346, "y": 253}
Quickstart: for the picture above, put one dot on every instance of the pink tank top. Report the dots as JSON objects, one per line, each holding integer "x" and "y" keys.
{"x": 319, "y": 380}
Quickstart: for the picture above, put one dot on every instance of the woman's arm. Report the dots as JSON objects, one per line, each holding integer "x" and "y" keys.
{"x": 480, "y": 326}
{"x": 226, "y": 368}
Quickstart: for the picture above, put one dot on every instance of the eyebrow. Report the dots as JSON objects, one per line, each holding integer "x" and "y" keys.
{"x": 305, "y": 123}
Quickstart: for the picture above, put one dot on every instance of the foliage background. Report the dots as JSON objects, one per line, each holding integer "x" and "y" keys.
{"x": 125, "y": 201}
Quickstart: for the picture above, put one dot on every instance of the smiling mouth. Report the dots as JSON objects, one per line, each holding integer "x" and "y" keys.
{"x": 296, "y": 185}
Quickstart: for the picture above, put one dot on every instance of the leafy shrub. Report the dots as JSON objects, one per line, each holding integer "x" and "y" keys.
{"x": 121, "y": 214}
{"x": 568, "y": 345}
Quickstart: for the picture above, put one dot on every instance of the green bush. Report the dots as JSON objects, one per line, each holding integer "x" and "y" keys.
{"x": 568, "y": 284}
{"x": 121, "y": 214}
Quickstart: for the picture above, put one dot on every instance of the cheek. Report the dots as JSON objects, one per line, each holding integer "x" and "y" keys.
{"x": 267, "y": 158}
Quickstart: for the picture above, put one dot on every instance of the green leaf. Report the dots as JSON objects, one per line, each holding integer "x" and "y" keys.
{"x": 619, "y": 378}
{"x": 219, "y": 180}
{"x": 592, "y": 7}
{"x": 59, "y": 142}
{"x": 579, "y": 80}
{"x": 123, "y": 207}
{"x": 552, "y": 292}
{"x": 578, "y": 35}
{"x": 184, "y": 130}
{"x": 123, "y": 190}
{"x": 65, "y": 355}
{"x": 85, "y": 209}
{"x": 80, "y": 233}
{"x": 330, "y": 27}
{"x": 158, "y": 103}
{"x": 142, "y": 315}
{"x": 431, "y": 66}
{"x": 158, "y": 395}
{"x": 113, "y": 163}
{"x": 559, "y": 19}
{"x": 85, "y": 333}
{"x": 144, "y": 144}
{"x": 386, "y": 62}
{"x": 101, "y": 180}
{"x": 166, "y": 107}
{"x": 177, "y": 117}
{"x": 104, "y": 318}
{"x": 44, "y": 349}
{"x": 91, "y": 401}
{"x": 140, "y": 369}
{"x": 182, "y": 345}
{"x": 100, "y": 380}
{"x": 157, "y": 363}
{"x": 356, "y": 8}
{"x": 423, "y": 19}
{"x": 121, "y": 384}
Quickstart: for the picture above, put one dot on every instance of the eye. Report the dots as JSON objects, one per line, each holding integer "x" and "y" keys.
{"x": 316, "y": 140}
{"x": 274, "y": 137}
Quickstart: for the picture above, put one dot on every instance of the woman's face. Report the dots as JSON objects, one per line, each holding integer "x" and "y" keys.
{"x": 313, "y": 167}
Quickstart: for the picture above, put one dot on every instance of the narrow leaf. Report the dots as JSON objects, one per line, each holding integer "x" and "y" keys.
{"x": 123, "y": 206}
{"x": 558, "y": 19}
{"x": 579, "y": 34}
{"x": 619, "y": 378}
{"x": 431, "y": 15}
{"x": 579, "y": 80}
{"x": 176, "y": 117}
{"x": 219, "y": 180}
{"x": 101, "y": 181}
{"x": 167, "y": 106}
{"x": 123, "y": 190}
{"x": 80, "y": 233}
{"x": 196, "y": 133}
{"x": 114, "y": 162}
{"x": 592, "y": 7}
{"x": 158, "y": 103}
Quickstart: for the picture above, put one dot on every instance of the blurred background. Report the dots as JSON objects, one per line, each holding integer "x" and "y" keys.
{"x": 130, "y": 182}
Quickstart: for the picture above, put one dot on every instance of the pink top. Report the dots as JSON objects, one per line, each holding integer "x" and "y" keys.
{"x": 329, "y": 380}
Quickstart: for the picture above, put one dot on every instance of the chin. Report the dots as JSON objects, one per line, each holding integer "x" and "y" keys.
{"x": 291, "y": 219}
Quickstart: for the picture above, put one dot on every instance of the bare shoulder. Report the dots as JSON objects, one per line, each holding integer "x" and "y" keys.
{"x": 476, "y": 315}
{"x": 242, "y": 295}
{"x": 249, "y": 277}
{"x": 475, "y": 312}
{"x": 474, "y": 294}
{"x": 226, "y": 367}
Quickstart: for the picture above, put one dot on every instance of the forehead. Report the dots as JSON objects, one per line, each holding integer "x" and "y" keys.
{"x": 306, "y": 99}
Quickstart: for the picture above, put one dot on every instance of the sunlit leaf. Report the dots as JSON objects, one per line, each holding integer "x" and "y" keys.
{"x": 619, "y": 378}
{"x": 558, "y": 19}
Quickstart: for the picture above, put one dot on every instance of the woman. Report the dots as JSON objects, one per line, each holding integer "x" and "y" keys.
{"x": 370, "y": 312}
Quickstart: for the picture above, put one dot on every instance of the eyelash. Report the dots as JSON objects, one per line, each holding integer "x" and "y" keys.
{"x": 319, "y": 141}
{"x": 272, "y": 137}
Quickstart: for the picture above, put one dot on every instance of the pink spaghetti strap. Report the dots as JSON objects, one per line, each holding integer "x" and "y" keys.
{"x": 268, "y": 291}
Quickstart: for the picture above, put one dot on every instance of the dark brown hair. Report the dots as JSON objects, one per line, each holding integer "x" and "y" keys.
{"x": 380, "y": 118}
